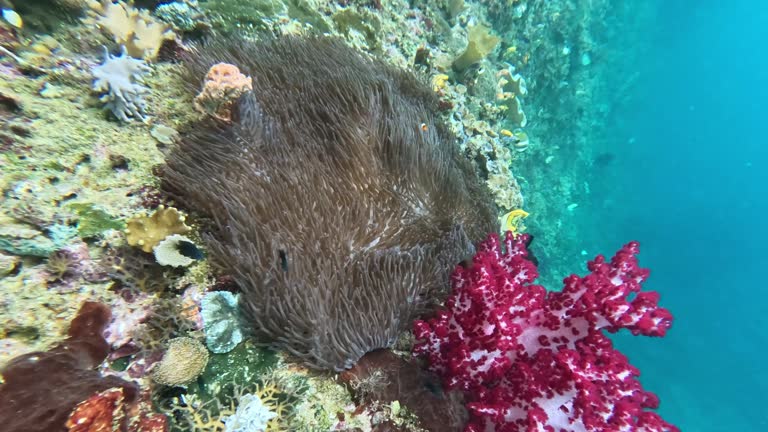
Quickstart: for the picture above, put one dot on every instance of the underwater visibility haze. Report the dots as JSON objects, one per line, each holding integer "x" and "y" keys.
{"x": 696, "y": 203}
{"x": 382, "y": 215}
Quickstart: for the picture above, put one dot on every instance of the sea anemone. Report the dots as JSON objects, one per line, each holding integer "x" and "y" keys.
{"x": 338, "y": 201}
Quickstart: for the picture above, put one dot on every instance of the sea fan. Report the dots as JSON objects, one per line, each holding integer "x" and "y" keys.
{"x": 338, "y": 201}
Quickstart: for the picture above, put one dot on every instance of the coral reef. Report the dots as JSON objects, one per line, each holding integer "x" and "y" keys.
{"x": 72, "y": 179}
{"x": 394, "y": 205}
{"x": 120, "y": 78}
{"x": 529, "y": 359}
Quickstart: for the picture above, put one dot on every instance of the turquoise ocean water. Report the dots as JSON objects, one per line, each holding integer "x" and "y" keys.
{"x": 689, "y": 182}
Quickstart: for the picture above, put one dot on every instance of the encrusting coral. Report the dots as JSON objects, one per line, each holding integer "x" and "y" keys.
{"x": 480, "y": 43}
{"x": 133, "y": 28}
{"x": 146, "y": 231}
{"x": 339, "y": 203}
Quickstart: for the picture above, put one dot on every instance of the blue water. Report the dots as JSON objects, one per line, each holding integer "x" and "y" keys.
{"x": 689, "y": 183}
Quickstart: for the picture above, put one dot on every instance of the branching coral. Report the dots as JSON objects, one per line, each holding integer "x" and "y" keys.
{"x": 254, "y": 408}
{"x": 120, "y": 80}
{"x": 532, "y": 360}
{"x": 339, "y": 202}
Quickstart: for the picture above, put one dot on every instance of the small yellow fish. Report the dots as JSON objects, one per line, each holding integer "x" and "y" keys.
{"x": 512, "y": 221}
{"x": 12, "y": 18}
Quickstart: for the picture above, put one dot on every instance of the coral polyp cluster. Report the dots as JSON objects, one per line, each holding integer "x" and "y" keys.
{"x": 120, "y": 79}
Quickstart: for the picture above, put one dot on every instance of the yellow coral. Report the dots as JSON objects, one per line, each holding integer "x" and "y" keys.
{"x": 223, "y": 86}
{"x": 184, "y": 361}
{"x": 147, "y": 231}
{"x": 480, "y": 43}
{"x": 133, "y": 28}
{"x": 439, "y": 81}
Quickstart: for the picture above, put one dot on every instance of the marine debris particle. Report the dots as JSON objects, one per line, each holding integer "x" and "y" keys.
{"x": 329, "y": 133}
{"x": 120, "y": 79}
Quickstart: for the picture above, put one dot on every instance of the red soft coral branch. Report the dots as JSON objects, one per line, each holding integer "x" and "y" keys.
{"x": 531, "y": 360}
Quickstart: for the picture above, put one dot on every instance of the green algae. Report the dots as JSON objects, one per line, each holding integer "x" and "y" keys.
{"x": 93, "y": 220}
{"x": 244, "y": 364}
{"x": 236, "y": 17}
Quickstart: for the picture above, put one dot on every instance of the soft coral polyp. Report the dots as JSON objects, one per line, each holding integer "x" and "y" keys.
{"x": 531, "y": 360}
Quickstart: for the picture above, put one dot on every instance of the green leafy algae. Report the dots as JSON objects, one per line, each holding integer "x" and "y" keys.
{"x": 94, "y": 220}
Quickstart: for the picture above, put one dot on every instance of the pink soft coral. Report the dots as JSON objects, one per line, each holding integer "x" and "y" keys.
{"x": 531, "y": 360}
